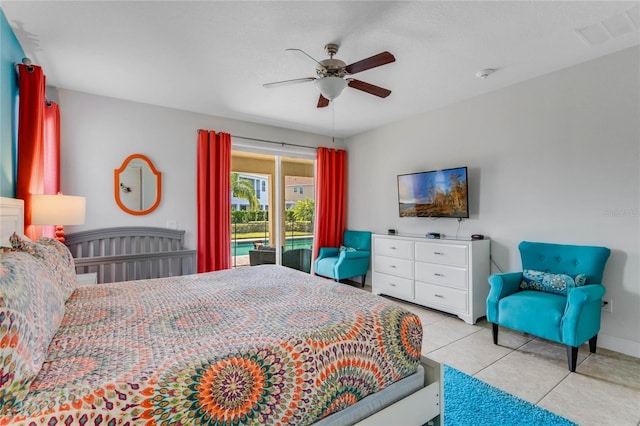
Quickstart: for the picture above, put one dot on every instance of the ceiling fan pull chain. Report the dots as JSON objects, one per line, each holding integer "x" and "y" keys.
{"x": 333, "y": 122}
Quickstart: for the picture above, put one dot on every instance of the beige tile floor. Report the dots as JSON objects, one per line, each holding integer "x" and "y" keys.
{"x": 604, "y": 390}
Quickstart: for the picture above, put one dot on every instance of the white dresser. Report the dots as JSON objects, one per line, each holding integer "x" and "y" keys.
{"x": 450, "y": 275}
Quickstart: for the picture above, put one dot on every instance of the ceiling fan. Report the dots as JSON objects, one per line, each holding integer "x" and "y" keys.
{"x": 331, "y": 73}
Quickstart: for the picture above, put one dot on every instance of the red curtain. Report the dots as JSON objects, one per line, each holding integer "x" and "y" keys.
{"x": 30, "y": 179}
{"x": 331, "y": 198}
{"x": 51, "y": 157}
{"x": 51, "y": 148}
{"x": 214, "y": 201}
{"x": 38, "y": 144}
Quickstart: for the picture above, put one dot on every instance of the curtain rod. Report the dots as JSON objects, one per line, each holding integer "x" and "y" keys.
{"x": 273, "y": 142}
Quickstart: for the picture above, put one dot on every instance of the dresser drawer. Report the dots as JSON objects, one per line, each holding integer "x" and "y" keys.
{"x": 395, "y": 248}
{"x": 394, "y": 266}
{"x": 401, "y": 288}
{"x": 447, "y": 254}
{"x": 441, "y": 297}
{"x": 450, "y": 276}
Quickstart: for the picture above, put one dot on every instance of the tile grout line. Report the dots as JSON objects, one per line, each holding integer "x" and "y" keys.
{"x": 502, "y": 357}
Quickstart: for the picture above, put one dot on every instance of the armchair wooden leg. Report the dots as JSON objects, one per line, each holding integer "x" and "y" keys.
{"x": 592, "y": 344}
{"x": 572, "y": 357}
{"x": 364, "y": 278}
{"x": 494, "y": 332}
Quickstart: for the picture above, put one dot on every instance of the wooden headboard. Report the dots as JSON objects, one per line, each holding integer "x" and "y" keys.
{"x": 11, "y": 218}
{"x": 131, "y": 253}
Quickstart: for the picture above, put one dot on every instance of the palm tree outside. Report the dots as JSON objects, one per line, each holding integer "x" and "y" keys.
{"x": 244, "y": 190}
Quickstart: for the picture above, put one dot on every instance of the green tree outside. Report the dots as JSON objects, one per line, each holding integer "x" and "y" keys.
{"x": 304, "y": 210}
{"x": 244, "y": 190}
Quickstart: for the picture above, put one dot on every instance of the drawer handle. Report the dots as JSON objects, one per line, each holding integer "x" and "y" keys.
{"x": 439, "y": 253}
{"x": 438, "y": 274}
{"x": 439, "y": 295}
{"x": 393, "y": 266}
{"x": 392, "y": 284}
{"x": 392, "y": 248}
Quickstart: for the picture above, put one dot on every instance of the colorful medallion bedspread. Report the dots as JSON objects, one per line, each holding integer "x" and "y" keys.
{"x": 259, "y": 345}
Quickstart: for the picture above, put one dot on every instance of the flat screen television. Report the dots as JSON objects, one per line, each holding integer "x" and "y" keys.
{"x": 436, "y": 193}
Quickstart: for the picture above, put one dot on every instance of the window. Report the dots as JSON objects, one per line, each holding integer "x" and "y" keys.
{"x": 264, "y": 185}
{"x": 301, "y": 190}
{"x": 295, "y": 189}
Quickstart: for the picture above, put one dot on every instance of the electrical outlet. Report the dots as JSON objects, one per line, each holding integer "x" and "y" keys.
{"x": 607, "y": 306}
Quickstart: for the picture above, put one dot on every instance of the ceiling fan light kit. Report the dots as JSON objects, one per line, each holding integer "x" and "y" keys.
{"x": 330, "y": 87}
{"x": 331, "y": 73}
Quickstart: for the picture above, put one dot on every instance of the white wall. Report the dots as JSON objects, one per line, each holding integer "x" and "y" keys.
{"x": 98, "y": 133}
{"x": 553, "y": 159}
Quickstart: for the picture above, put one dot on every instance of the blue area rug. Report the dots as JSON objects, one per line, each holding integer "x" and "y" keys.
{"x": 469, "y": 401}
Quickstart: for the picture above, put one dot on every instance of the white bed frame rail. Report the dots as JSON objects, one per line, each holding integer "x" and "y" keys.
{"x": 423, "y": 407}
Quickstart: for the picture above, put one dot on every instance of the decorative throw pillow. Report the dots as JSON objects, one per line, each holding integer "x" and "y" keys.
{"x": 56, "y": 257}
{"x": 550, "y": 283}
{"x": 31, "y": 309}
{"x": 345, "y": 248}
{"x": 21, "y": 243}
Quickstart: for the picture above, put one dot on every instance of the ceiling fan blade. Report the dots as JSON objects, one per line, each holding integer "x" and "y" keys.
{"x": 323, "y": 102}
{"x": 369, "y": 88}
{"x": 284, "y": 82}
{"x": 371, "y": 62}
{"x": 306, "y": 57}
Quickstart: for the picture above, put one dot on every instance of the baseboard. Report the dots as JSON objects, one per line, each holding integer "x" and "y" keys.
{"x": 616, "y": 344}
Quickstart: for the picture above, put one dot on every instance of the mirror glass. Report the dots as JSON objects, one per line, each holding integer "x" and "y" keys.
{"x": 137, "y": 185}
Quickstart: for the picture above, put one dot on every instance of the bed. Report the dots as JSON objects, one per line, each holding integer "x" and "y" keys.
{"x": 258, "y": 345}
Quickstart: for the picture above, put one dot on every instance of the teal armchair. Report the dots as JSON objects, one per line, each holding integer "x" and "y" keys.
{"x": 351, "y": 260}
{"x": 557, "y": 297}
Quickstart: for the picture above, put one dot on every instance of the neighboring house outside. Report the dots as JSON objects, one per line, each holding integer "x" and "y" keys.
{"x": 296, "y": 188}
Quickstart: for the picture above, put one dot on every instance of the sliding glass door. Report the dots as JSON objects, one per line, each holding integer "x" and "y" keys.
{"x": 272, "y": 208}
{"x": 297, "y": 212}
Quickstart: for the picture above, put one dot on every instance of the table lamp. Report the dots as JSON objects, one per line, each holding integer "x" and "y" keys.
{"x": 57, "y": 210}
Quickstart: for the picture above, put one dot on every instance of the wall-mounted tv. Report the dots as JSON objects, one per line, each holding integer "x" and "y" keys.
{"x": 436, "y": 193}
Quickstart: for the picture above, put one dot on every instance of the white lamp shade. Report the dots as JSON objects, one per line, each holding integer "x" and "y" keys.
{"x": 57, "y": 210}
{"x": 331, "y": 87}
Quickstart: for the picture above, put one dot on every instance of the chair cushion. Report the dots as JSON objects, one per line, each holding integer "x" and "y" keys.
{"x": 534, "y": 312}
{"x": 550, "y": 283}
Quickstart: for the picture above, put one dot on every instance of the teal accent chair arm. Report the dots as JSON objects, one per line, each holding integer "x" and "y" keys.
{"x": 586, "y": 294}
{"x": 358, "y": 254}
{"x": 327, "y": 252}
{"x": 501, "y": 285}
{"x": 582, "y": 313}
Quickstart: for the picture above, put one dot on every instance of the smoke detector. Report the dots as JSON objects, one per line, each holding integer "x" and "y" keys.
{"x": 485, "y": 73}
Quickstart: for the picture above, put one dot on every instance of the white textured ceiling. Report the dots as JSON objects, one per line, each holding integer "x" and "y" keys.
{"x": 212, "y": 57}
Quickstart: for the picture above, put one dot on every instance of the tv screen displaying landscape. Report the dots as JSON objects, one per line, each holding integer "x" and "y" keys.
{"x": 438, "y": 193}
